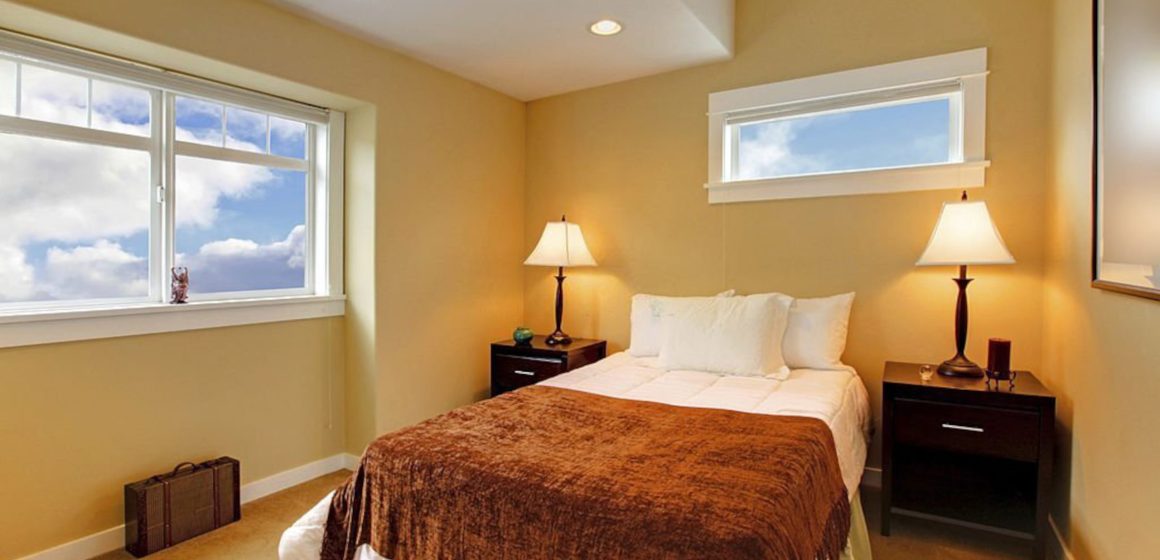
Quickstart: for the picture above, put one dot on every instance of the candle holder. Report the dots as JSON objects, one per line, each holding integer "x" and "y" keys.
{"x": 997, "y": 377}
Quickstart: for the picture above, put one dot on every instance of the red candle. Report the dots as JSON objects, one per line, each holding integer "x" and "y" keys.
{"x": 999, "y": 355}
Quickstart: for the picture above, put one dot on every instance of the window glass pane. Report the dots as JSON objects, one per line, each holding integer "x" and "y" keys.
{"x": 877, "y": 137}
{"x": 74, "y": 221}
{"x": 7, "y": 87}
{"x": 120, "y": 108}
{"x": 245, "y": 130}
{"x": 287, "y": 138}
{"x": 198, "y": 121}
{"x": 48, "y": 95}
{"x": 240, "y": 227}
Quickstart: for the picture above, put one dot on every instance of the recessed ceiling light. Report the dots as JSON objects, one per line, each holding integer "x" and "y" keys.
{"x": 605, "y": 27}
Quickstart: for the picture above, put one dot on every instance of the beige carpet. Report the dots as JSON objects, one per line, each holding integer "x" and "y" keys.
{"x": 256, "y": 535}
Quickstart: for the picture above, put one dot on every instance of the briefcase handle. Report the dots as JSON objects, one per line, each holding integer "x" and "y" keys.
{"x": 176, "y": 470}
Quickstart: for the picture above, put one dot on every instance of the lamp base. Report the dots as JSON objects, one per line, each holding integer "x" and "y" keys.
{"x": 558, "y": 337}
{"x": 960, "y": 366}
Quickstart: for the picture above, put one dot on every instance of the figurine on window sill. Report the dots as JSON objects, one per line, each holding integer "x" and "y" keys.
{"x": 179, "y": 284}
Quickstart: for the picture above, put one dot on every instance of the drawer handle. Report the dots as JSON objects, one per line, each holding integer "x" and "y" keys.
{"x": 962, "y": 428}
{"x": 532, "y": 373}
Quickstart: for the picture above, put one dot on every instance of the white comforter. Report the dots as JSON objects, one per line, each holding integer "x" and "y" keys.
{"x": 838, "y": 398}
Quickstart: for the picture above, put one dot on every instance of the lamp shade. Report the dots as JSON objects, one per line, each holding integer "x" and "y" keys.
{"x": 965, "y": 235}
{"x": 561, "y": 244}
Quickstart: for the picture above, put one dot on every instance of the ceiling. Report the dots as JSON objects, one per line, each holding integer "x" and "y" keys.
{"x": 536, "y": 48}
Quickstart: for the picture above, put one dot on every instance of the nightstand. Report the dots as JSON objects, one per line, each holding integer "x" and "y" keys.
{"x": 956, "y": 451}
{"x": 518, "y": 365}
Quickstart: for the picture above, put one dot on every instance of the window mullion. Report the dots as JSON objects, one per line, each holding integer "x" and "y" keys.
{"x": 156, "y": 206}
{"x": 169, "y": 204}
{"x": 19, "y": 77}
{"x": 310, "y": 253}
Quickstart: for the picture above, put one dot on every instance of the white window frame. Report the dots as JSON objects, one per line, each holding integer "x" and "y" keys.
{"x": 960, "y": 76}
{"x": 29, "y": 323}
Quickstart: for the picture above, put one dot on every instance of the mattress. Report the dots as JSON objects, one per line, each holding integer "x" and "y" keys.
{"x": 837, "y": 398}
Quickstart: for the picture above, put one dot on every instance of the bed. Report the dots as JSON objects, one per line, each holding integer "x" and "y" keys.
{"x": 836, "y": 397}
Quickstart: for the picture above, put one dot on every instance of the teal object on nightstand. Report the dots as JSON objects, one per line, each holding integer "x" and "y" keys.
{"x": 522, "y": 335}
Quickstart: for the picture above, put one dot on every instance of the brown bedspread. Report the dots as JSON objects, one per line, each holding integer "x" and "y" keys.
{"x": 549, "y": 473}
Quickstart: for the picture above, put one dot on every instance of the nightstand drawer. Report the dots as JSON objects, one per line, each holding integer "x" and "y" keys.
{"x": 983, "y": 430}
{"x": 518, "y": 371}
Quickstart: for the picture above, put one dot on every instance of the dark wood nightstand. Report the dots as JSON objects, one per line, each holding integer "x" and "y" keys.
{"x": 518, "y": 365}
{"x": 957, "y": 451}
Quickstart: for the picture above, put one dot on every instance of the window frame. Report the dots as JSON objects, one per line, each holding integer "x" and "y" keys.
{"x": 35, "y": 322}
{"x": 961, "y": 76}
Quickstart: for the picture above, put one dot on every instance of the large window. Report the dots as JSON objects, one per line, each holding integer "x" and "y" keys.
{"x": 910, "y": 125}
{"x": 111, "y": 174}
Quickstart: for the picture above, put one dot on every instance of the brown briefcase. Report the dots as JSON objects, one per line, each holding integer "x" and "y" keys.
{"x": 166, "y": 509}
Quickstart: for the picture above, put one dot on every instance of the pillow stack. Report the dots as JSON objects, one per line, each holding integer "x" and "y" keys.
{"x": 759, "y": 335}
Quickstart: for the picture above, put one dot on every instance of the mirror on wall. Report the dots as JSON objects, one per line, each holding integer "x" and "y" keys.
{"x": 1126, "y": 173}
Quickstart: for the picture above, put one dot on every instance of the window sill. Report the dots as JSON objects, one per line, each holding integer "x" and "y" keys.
{"x": 44, "y": 327}
{"x": 900, "y": 179}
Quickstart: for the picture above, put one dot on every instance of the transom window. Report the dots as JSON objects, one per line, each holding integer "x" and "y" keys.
{"x": 112, "y": 175}
{"x": 911, "y": 125}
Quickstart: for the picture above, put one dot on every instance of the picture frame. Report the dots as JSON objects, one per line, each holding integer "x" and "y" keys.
{"x": 1125, "y": 149}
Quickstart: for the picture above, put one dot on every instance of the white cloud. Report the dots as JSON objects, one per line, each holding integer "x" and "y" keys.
{"x": 101, "y": 270}
{"x": 53, "y": 190}
{"x": 771, "y": 154}
{"x": 245, "y": 130}
{"x": 201, "y": 183}
{"x": 119, "y": 108}
{"x": 287, "y": 137}
{"x": 17, "y": 278}
{"x": 240, "y": 264}
{"x": 49, "y": 95}
{"x": 193, "y": 110}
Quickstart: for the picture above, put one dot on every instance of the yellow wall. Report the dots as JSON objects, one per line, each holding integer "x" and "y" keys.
{"x": 434, "y": 235}
{"x": 628, "y": 161}
{"x": 1101, "y": 354}
{"x": 79, "y": 420}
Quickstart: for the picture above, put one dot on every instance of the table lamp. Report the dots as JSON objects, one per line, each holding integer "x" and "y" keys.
{"x": 561, "y": 245}
{"x": 964, "y": 235}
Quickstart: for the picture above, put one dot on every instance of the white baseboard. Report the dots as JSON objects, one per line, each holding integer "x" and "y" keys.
{"x": 84, "y": 547}
{"x": 872, "y": 477}
{"x": 293, "y": 477}
{"x": 350, "y": 461}
{"x": 114, "y": 538}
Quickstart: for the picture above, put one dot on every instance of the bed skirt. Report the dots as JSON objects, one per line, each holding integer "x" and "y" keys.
{"x": 303, "y": 540}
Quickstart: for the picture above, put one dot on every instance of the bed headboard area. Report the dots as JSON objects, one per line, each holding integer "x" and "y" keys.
{"x": 628, "y": 161}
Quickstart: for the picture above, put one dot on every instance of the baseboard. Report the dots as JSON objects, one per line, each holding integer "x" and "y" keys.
{"x": 872, "y": 477}
{"x": 1064, "y": 552}
{"x": 293, "y": 477}
{"x": 350, "y": 461}
{"x": 84, "y": 547}
{"x": 114, "y": 538}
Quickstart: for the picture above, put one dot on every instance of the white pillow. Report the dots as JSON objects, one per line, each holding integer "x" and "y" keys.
{"x": 647, "y": 318}
{"x": 816, "y": 335}
{"x": 732, "y": 335}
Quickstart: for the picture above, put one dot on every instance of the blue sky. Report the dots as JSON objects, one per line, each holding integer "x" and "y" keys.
{"x": 864, "y": 139}
{"x": 74, "y": 217}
